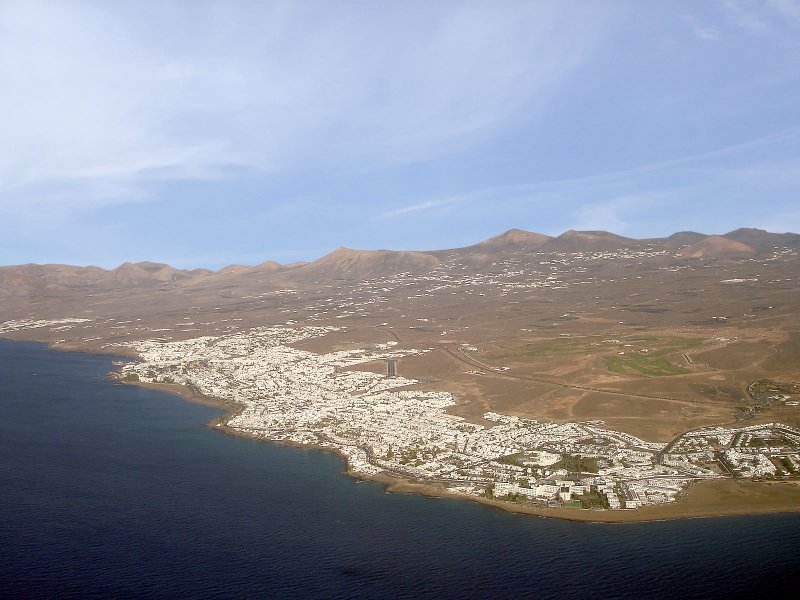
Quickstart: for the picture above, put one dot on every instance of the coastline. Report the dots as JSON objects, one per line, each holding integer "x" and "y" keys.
{"x": 703, "y": 499}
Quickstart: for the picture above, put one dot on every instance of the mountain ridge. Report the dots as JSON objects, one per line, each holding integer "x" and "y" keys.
{"x": 352, "y": 264}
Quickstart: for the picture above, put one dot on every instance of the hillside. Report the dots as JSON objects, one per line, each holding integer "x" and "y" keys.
{"x": 513, "y": 239}
{"x": 586, "y": 241}
{"x": 345, "y": 264}
{"x": 717, "y": 246}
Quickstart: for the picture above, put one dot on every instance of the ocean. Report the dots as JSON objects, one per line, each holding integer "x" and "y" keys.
{"x": 113, "y": 491}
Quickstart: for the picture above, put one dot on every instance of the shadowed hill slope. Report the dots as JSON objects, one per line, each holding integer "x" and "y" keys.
{"x": 717, "y": 246}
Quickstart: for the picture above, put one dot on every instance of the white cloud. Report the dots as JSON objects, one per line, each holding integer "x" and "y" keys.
{"x": 436, "y": 203}
{"x": 132, "y": 93}
{"x": 787, "y": 8}
{"x": 747, "y": 16}
{"x": 655, "y": 197}
{"x": 776, "y": 20}
{"x": 615, "y": 214}
{"x": 422, "y": 206}
{"x": 701, "y": 31}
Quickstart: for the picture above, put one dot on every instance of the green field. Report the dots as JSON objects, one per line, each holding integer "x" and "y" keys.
{"x": 655, "y": 362}
{"x": 574, "y": 346}
{"x": 644, "y": 365}
{"x": 577, "y": 464}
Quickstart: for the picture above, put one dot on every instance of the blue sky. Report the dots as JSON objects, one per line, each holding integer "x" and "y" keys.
{"x": 208, "y": 133}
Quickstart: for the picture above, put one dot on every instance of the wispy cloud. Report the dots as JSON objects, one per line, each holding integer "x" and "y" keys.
{"x": 613, "y": 214}
{"x": 143, "y": 92}
{"x": 701, "y": 31}
{"x": 653, "y": 196}
{"x": 787, "y": 8}
{"x": 435, "y": 204}
{"x": 745, "y": 15}
{"x": 422, "y": 206}
{"x": 776, "y": 19}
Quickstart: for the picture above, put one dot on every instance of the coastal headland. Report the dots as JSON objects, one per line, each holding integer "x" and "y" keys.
{"x": 586, "y": 377}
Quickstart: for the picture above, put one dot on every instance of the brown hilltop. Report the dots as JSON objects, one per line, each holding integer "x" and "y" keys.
{"x": 683, "y": 238}
{"x": 269, "y": 266}
{"x": 346, "y": 263}
{"x": 128, "y": 273}
{"x": 483, "y": 253}
{"x": 583, "y": 241}
{"x": 763, "y": 240}
{"x": 717, "y": 246}
{"x": 233, "y": 270}
{"x": 52, "y": 278}
{"x": 513, "y": 239}
{"x": 133, "y": 273}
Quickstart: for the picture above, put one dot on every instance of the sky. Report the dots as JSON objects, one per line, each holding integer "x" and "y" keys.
{"x": 202, "y": 134}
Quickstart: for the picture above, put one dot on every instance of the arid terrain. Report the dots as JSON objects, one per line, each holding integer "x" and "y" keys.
{"x": 655, "y": 338}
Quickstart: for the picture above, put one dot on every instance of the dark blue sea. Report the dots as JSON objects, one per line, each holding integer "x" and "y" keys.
{"x": 111, "y": 491}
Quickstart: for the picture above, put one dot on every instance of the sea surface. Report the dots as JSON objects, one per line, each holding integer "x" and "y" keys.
{"x": 113, "y": 491}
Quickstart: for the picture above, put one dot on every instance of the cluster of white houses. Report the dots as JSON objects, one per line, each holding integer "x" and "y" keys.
{"x": 508, "y": 276}
{"x": 53, "y": 324}
{"x": 387, "y": 424}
